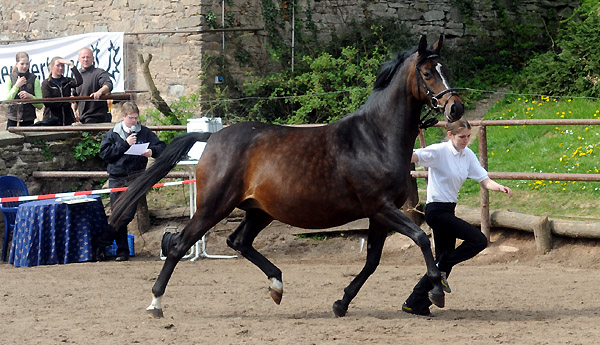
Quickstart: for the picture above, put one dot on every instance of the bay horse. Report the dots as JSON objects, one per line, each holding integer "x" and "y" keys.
{"x": 312, "y": 177}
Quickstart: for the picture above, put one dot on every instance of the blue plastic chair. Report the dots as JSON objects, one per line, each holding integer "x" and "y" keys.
{"x": 10, "y": 186}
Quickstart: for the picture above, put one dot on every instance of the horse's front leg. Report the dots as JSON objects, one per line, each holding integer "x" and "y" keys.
{"x": 174, "y": 246}
{"x": 376, "y": 239}
{"x": 399, "y": 222}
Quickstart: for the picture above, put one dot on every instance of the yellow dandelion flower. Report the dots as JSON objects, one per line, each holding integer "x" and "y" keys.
{"x": 507, "y": 150}
{"x": 506, "y": 126}
{"x": 569, "y": 100}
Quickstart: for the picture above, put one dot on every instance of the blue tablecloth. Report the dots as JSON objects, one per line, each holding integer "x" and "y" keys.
{"x": 49, "y": 232}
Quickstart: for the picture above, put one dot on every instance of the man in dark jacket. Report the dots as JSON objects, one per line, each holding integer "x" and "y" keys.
{"x": 96, "y": 82}
{"x": 123, "y": 168}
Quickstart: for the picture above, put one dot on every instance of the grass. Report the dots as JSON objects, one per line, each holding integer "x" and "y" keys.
{"x": 547, "y": 149}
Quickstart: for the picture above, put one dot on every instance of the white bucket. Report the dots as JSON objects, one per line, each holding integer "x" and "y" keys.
{"x": 204, "y": 124}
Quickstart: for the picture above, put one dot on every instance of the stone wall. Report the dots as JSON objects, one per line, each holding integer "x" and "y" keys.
{"x": 24, "y": 154}
{"x": 178, "y": 59}
{"x": 461, "y": 21}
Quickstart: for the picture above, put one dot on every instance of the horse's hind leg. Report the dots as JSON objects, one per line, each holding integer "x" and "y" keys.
{"x": 241, "y": 240}
{"x": 376, "y": 239}
{"x": 175, "y": 246}
{"x": 399, "y": 222}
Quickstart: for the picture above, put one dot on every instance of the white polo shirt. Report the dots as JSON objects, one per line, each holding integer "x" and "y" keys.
{"x": 448, "y": 170}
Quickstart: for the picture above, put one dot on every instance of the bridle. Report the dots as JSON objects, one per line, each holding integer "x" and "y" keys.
{"x": 429, "y": 120}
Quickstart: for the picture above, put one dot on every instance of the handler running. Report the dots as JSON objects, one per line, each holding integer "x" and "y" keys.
{"x": 450, "y": 164}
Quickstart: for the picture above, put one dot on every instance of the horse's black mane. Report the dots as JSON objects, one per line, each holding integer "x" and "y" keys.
{"x": 389, "y": 68}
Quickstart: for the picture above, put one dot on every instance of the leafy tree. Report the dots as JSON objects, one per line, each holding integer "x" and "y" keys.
{"x": 574, "y": 68}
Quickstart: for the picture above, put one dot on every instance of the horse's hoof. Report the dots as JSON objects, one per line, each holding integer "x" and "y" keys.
{"x": 155, "y": 313}
{"x": 276, "y": 294}
{"x": 437, "y": 299}
{"x": 338, "y": 309}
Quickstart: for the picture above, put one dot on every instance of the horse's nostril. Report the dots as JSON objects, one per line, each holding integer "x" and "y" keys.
{"x": 457, "y": 110}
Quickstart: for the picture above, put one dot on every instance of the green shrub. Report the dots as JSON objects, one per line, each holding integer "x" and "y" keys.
{"x": 574, "y": 68}
{"x": 184, "y": 108}
{"x": 88, "y": 147}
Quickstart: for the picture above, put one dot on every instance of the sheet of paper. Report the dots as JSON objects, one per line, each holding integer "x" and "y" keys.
{"x": 196, "y": 151}
{"x": 137, "y": 149}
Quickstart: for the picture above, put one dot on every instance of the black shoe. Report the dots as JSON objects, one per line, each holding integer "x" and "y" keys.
{"x": 122, "y": 258}
{"x": 99, "y": 254}
{"x": 410, "y": 310}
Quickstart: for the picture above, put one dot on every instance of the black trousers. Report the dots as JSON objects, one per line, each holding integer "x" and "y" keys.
{"x": 13, "y": 123}
{"x": 447, "y": 228}
{"x": 119, "y": 234}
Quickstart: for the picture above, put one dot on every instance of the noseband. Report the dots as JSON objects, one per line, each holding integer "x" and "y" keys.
{"x": 429, "y": 120}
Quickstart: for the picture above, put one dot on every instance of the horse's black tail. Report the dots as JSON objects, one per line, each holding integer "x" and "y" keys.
{"x": 167, "y": 160}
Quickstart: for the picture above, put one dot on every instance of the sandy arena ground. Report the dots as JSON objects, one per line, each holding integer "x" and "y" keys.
{"x": 507, "y": 295}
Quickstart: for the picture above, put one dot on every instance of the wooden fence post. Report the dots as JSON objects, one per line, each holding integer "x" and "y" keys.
{"x": 542, "y": 231}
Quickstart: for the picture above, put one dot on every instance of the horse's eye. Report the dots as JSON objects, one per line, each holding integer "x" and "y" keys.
{"x": 427, "y": 75}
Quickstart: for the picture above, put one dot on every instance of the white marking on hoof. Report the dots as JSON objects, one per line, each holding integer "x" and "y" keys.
{"x": 155, "y": 303}
{"x": 276, "y": 290}
{"x": 276, "y": 284}
{"x": 154, "y": 310}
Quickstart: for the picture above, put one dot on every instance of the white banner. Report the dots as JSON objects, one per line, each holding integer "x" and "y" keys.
{"x": 106, "y": 46}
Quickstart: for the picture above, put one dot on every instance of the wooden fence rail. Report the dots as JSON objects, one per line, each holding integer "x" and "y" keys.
{"x": 482, "y": 133}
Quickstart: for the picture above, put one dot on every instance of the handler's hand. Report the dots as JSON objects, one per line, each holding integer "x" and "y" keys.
{"x": 506, "y": 190}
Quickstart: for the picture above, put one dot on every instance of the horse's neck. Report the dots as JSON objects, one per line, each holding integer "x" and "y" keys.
{"x": 397, "y": 118}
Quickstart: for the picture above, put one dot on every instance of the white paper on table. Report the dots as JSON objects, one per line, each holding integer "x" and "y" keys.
{"x": 137, "y": 149}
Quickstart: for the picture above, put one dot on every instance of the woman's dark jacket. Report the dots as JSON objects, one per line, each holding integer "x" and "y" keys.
{"x": 60, "y": 113}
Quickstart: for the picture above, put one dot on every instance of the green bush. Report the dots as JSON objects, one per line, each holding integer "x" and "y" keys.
{"x": 184, "y": 108}
{"x": 574, "y": 68}
{"x": 329, "y": 89}
{"x": 88, "y": 147}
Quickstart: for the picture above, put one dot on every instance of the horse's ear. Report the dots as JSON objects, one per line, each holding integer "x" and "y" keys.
{"x": 422, "y": 45}
{"x": 438, "y": 45}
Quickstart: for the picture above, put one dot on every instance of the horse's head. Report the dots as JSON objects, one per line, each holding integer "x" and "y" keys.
{"x": 432, "y": 77}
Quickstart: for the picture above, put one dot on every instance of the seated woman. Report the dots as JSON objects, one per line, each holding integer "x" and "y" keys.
{"x": 57, "y": 85}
